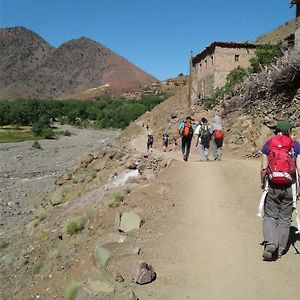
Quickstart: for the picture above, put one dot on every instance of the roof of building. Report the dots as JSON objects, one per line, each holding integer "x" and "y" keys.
{"x": 210, "y": 49}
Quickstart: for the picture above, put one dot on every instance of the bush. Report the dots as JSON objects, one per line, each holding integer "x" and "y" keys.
{"x": 264, "y": 55}
{"x": 36, "y": 145}
{"x": 37, "y": 267}
{"x": 3, "y": 245}
{"x": 116, "y": 200}
{"x": 48, "y": 133}
{"x": 72, "y": 290}
{"x": 74, "y": 226}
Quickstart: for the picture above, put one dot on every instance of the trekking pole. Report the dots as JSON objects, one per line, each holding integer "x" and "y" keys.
{"x": 260, "y": 211}
{"x": 295, "y": 187}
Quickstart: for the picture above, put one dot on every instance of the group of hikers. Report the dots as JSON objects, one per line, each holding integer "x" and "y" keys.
{"x": 206, "y": 135}
{"x": 279, "y": 175}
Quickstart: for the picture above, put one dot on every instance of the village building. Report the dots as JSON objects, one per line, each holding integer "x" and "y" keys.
{"x": 209, "y": 69}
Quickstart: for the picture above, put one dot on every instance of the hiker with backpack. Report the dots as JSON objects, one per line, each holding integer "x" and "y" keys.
{"x": 186, "y": 130}
{"x": 217, "y": 137}
{"x": 165, "y": 138}
{"x": 150, "y": 141}
{"x": 279, "y": 178}
{"x": 202, "y": 132}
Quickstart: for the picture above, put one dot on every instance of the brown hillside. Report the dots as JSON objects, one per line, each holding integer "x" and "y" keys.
{"x": 75, "y": 66}
{"x": 21, "y": 51}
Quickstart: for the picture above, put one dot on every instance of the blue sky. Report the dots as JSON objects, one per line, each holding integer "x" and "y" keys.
{"x": 155, "y": 35}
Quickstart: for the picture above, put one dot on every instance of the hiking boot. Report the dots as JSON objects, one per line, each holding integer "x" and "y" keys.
{"x": 268, "y": 252}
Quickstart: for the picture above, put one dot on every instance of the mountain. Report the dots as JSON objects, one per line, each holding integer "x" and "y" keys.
{"x": 30, "y": 67}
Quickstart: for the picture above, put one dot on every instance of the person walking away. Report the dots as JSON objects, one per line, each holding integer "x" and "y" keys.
{"x": 165, "y": 140}
{"x": 217, "y": 137}
{"x": 150, "y": 142}
{"x": 203, "y": 138}
{"x": 279, "y": 169}
{"x": 186, "y": 130}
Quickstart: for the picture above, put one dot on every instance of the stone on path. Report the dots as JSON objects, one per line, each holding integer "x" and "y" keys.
{"x": 128, "y": 221}
{"x": 141, "y": 272}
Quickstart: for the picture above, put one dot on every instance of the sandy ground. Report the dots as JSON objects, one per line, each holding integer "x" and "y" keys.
{"x": 208, "y": 243}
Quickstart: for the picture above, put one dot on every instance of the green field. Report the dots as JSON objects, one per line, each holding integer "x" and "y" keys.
{"x": 10, "y": 134}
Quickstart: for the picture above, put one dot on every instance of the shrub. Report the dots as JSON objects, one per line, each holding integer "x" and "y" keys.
{"x": 74, "y": 226}
{"x": 37, "y": 267}
{"x": 36, "y": 145}
{"x": 264, "y": 54}
{"x": 66, "y": 133}
{"x": 48, "y": 133}
{"x": 116, "y": 200}
{"x": 72, "y": 290}
{"x": 42, "y": 235}
{"x": 3, "y": 245}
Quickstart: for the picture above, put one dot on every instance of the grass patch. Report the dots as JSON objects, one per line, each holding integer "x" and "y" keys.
{"x": 116, "y": 200}
{"x": 11, "y": 134}
{"x": 3, "y": 245}
{"x": 42, "y": 235}
{"x": 74, "y": 226}
{"x": 72, "y": 290}
{"x": 37, "y": 267}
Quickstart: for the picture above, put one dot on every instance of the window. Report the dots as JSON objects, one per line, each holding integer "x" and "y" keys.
{"x": 212, "y": 60}
{"x": 205, "y": 63}
{"x": 236, "y": 57}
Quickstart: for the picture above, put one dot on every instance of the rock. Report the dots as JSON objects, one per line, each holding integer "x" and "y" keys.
{"x": 128, "y": 221}
{"x": 141, "y": 272}
{"x": 113, "y": 246}
{"x": 87, "y": 160}
{"x": 63, "y": 179}
{"x": 99, "y": 282}
{"x": 57, "y": 197}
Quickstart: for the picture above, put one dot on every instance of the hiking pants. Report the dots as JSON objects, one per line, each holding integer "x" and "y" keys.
{"x": 186, "y": 146}
{"x": 217, "y": 151}
{"x": 278, "y": 212}
{"x": 203, "y": 152}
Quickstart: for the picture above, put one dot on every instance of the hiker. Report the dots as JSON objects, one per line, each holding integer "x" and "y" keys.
{"x": 147, "y": 126}
{"x": 165, "y": 138}
{"x": 150, "y": 141}
{"x": 279, "y": 169}
{"x": 217, "y": 137}
{"x": 203, "y": 138}
{"x": 186, "y": 129}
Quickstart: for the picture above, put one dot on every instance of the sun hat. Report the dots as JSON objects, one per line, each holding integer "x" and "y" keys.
{"x": 283, "y": 125}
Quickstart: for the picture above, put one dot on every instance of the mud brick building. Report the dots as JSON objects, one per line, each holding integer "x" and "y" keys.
{"x": 211, "y": 67}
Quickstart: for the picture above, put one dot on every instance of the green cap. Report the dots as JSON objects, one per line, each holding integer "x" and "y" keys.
{"x": 283, "y": 125}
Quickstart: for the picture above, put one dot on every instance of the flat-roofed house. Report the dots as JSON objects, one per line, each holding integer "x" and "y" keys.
{"x": 211, "y": 66}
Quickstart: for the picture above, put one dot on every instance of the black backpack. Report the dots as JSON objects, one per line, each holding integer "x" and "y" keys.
{"x": 205, "y": 135}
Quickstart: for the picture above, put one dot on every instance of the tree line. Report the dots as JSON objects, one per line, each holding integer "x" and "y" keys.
{"x": 99, "y": 113}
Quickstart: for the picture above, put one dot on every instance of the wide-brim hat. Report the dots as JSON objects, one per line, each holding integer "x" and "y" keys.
{"x": 283, "y": 125}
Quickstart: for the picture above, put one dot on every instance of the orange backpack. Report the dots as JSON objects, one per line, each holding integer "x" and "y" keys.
{"x": 187, "y": 129}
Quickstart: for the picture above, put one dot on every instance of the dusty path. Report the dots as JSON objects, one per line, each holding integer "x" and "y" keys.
{"x": 207, "y": 246}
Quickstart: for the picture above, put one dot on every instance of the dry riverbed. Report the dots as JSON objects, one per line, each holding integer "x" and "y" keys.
{"x": 27, "y": 173}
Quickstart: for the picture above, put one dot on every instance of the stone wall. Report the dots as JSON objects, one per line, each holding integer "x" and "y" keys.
{"x": 211, "y": 72}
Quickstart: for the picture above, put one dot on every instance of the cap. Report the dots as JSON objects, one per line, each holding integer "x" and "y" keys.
{"x": 283, "y": 125}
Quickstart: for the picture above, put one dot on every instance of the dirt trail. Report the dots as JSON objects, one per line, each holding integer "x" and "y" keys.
{"x": 207, "y": 246}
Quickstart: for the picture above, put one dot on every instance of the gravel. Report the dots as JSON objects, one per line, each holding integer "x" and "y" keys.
{"x": 27, "y": 172}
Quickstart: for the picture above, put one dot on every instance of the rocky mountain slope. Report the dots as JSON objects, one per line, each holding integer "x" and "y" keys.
{"x": 30, "y": 67}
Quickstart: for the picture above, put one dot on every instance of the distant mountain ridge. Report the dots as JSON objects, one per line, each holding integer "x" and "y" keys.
{"x": 31, "y": 68}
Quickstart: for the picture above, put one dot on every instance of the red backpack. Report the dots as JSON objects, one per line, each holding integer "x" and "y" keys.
{"x": 282, "y": 167}
{"x": 187, "y": 129}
